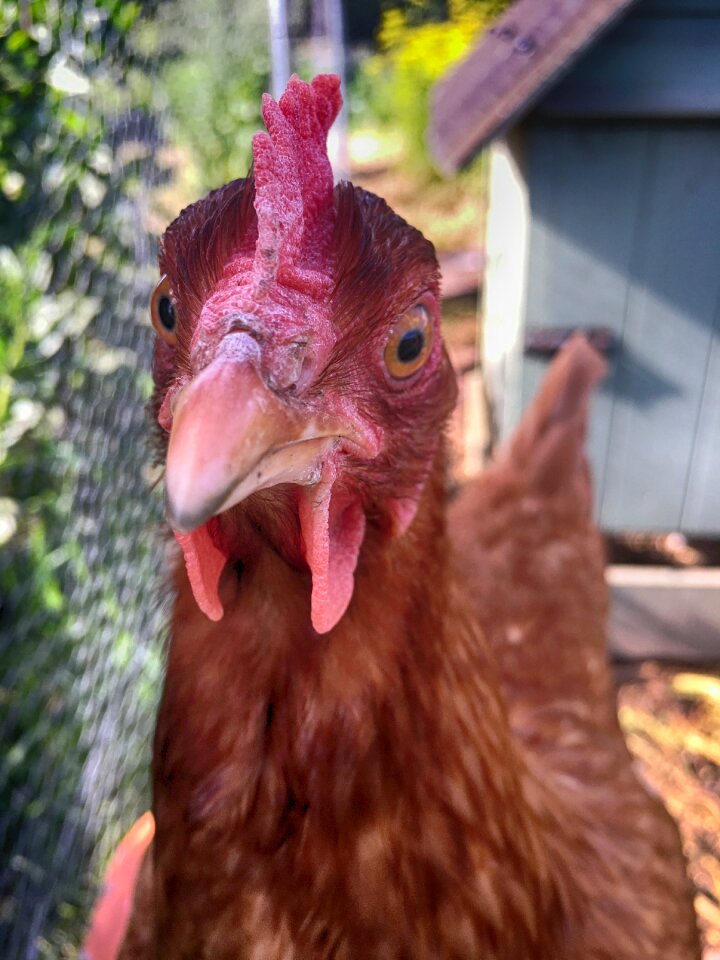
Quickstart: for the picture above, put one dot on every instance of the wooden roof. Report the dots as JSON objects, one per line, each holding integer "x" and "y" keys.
{"x": 528, "y": 48}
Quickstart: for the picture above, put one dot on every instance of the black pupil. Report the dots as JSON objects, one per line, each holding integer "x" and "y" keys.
{"x": 166, "y": 312}
{"x": 410, "y": 346}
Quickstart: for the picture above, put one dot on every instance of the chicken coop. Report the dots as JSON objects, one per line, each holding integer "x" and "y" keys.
{"x": 602, "y": 119}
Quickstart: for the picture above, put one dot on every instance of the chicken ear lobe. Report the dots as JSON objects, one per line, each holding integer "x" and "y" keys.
{"x": 333, "y": 526}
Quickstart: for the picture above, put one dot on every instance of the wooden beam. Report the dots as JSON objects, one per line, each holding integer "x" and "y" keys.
{"x": 661, "y": 613}
{"x": 527, "y": 49}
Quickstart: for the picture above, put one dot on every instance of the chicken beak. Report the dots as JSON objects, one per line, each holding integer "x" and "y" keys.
{"x": 232, "y": 436}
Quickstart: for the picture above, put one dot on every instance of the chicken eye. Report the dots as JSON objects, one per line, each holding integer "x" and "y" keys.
{"x": 162, "y": 311}
{"x": 409, "y": 344}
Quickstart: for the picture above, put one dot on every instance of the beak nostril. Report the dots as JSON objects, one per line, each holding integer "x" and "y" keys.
{"x": 287, "y": 365}
{"x": 245, "y": 323}
{"x": 306, "y": 364}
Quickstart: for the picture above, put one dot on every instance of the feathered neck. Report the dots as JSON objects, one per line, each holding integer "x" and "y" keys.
{"x": 362, "y": 786}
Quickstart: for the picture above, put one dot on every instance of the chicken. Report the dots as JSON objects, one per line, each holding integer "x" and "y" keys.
{"x": 532, "y": 561}
{"x": 336, "y": 771}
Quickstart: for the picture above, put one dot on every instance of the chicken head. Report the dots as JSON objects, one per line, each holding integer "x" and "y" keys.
{"x": 299, "y": 364}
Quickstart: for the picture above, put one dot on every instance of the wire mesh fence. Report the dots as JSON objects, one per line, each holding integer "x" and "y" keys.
{"x": 92, "y": 93}
{"x": 81, "y": 626}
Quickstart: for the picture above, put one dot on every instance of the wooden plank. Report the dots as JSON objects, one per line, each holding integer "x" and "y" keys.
{"x": 504, "y": 291}
{"x": 664, "y": 67}
{"x": 701, "y": 508}
{"x": 601, "y": 255}
{"x": 525, "y": 51}
{"x": 675, "y": 284}
{"x": 675, "y": 8}
{"x": 582, "y": 240}
{"x": 664, "y": 614}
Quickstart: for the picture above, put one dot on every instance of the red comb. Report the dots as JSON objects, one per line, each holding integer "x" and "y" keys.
{"x": 294, "y": 185}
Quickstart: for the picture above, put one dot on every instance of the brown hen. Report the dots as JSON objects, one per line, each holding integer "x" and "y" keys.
{"x": 532, "y": 560}
{"x": 339, "y": 770}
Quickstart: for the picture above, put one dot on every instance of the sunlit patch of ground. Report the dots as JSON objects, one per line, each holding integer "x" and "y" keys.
{"x": 450, "y": 211}
{"x": 671, "y": 720}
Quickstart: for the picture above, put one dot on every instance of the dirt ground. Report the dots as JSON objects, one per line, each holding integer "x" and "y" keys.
{"x": 671, "y": 719}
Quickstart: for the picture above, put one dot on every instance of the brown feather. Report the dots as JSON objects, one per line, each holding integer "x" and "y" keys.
{"x": 533, "y": 563}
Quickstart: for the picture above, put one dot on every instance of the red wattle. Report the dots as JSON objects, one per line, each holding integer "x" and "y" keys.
{"x": 333, "y": 527}
{"x": 204, "y": 563}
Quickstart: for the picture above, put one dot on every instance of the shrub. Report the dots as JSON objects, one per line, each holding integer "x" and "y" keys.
{"x": 414, "y": 52}
{"x": 215, "y": 101}
{"x": 72, "y": 582}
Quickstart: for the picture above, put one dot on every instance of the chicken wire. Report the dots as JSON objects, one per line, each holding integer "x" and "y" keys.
{"x": 81, "y": 626}
{"x": 83, "y": 555}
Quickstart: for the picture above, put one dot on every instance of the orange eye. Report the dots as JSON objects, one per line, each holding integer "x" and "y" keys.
{"x": 410, "y": 343}
{"x": 162, "y": 312}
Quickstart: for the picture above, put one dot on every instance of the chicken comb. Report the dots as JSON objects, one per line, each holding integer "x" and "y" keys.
{"x": 294, "y": 186}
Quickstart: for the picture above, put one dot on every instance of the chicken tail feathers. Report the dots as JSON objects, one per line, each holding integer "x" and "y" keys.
{"x": 548, "y": 445}
{"x": 112, "y": 912}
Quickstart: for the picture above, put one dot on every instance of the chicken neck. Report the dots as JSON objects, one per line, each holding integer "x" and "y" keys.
{"x": 359, "y": 788}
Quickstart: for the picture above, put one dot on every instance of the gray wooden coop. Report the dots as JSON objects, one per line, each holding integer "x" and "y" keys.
{"x": 604, "y": 123}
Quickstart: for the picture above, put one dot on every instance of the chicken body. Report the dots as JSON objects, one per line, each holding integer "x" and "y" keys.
{"x": 355, "y": 796}
{"x": 336, "y": 771}
{"x": 532, "y": 562}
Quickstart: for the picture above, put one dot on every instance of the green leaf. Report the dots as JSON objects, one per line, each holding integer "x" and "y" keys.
{"x": 17, "y": 41}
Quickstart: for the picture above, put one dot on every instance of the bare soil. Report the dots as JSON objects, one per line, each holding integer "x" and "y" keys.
{"x": 671, "y": 719}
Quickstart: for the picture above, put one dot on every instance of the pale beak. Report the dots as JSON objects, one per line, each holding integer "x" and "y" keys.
{"x": 232, "y": 436}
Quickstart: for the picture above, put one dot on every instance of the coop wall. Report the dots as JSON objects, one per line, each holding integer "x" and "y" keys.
{"x": 607, "y": 224}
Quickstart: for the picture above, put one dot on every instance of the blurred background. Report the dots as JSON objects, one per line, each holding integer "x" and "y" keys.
{"x": 566, "y": 170}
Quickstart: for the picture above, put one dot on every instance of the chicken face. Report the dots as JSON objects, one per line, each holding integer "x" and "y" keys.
{"x": 298, "y": 352}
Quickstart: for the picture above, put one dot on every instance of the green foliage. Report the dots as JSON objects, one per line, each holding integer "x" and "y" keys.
{"x": 80, "y": 81}
{"x": 66, "y": 73}
{"x": 415, "y": 50}
{"x": 215, "y": 100}
{"x": 59, "y": 191}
